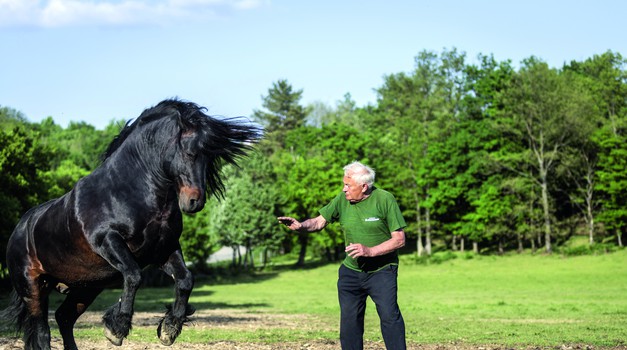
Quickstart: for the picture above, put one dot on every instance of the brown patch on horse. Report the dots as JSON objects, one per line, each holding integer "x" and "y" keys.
{"x": 36, "y": 284}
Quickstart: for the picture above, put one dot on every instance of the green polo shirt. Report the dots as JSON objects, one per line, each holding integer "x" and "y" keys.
{"x": 369, "y": 222}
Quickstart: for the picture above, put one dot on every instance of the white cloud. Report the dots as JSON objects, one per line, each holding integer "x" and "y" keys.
{"x": 63, "y": 13}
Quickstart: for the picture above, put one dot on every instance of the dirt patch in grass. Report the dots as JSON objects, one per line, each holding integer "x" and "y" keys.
{"x": 238, "y": 320}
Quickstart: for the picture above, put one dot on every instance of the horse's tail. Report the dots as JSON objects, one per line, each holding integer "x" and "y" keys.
{"x": 15, "y": 316}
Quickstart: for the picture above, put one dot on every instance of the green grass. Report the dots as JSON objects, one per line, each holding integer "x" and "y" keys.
{"x": 514, "y": 301}
{"x": 518, "y": 300}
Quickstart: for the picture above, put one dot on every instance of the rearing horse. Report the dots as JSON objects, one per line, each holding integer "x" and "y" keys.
{"x": 122, "y": 217}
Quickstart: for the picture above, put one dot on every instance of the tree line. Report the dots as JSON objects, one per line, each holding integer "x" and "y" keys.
{"x": 482, "y": 155}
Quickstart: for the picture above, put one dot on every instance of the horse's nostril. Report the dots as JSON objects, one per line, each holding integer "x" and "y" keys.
{"x": 191, "y": 199}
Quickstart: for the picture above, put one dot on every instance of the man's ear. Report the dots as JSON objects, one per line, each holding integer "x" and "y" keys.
{"x": 364, "y": 189}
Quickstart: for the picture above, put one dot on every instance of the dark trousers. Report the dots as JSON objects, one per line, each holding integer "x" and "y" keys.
{"x": 353, "y": 289}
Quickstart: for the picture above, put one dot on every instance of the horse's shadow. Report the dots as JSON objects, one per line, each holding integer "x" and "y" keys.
{"x": 155, "y": 300}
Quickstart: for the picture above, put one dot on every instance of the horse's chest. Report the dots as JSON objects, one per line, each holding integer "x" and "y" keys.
{"x": 157, "y": 239}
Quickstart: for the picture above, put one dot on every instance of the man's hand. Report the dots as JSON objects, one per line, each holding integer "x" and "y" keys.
{"x": 355, "y": 250}
{"x": 309, "y": 225}
{"x": 291, "y": 223}
{"x": 397, "y": 241}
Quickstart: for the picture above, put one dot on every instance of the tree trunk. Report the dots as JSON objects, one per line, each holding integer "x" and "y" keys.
{"x": 428, "y": 231}
{"x": 454, "y": 242}
{"x": 303, "y": 239}
{"x": 264, "y": 259}
{"x": 327, "y": 254}
{"x": 547, "y": 215}
{"x": 475, "y": 247}
{"x": 539, "y": 238}
{"x": 461, "y": 244}
{"x": 520, "y": 242}
{"x": 590, "y": 224}
{"x": 501, "y": 250}
{"x": 249, "y": 258}
{"x": 245, "y": 265}
{"x": 419, "y": 247}
{"x": 234, "y": 261}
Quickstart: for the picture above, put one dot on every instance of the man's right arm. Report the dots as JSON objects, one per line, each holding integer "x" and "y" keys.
{"x": 309, "y": 225}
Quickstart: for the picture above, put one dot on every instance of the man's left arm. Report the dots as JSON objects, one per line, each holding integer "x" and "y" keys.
{"x": 397, "y": 241}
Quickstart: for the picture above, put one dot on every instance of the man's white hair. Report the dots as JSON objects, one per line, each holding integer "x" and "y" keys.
{"x": 361, "y": 173}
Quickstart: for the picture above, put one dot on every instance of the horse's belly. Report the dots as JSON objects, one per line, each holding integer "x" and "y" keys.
{"x": 81, "y": 271}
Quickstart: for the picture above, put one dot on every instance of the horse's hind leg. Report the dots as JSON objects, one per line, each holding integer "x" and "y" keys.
{"x": 75, "y": 303}
{"x": 31, "y": 291}
{"x": 171, "y": 325}
{"x": 35, "y": 323}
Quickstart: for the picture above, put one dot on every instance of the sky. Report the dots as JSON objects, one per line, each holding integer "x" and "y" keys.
{"x": 99, "y": 61}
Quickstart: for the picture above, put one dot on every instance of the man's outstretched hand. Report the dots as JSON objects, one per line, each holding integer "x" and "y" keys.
{"x": 291, "y": 223}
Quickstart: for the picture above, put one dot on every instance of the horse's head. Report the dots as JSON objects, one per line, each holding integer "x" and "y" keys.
{"x": 185, "y": 147}
{"x": 204, "y": 145}
{"x": 188, "y": 168}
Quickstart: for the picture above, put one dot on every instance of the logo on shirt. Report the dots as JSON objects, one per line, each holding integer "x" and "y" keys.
{"x": 372, "y": 219}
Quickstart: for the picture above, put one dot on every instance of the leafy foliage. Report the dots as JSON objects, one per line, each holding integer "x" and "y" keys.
{"x": 22, "y": 161}
{"x": 245, "y": 217}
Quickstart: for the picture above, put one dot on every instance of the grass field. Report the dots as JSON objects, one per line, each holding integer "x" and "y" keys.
{"x": 512, "y": 301}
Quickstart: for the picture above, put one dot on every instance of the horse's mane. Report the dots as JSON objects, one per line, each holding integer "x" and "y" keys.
{"x": 225, "y": 139}
{"x": 160, "y": 111}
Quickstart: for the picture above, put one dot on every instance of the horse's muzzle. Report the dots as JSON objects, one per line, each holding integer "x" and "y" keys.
{"x": 191, "y": 199}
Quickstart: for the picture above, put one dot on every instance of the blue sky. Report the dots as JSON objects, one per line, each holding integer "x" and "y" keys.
{"x": 103, "y": 60}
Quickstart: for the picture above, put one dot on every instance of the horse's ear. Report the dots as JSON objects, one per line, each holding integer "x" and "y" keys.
{"x": 183, "y": 122}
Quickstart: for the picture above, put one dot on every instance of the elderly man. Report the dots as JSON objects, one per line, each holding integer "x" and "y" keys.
{"x": 373, "y": 229}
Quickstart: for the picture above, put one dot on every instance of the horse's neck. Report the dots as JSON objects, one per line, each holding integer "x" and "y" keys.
{"x": 132, "y": 175}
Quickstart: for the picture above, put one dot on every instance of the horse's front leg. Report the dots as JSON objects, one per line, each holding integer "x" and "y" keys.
{"x": 117, "y": 319}
{"x": 171, "y": 325}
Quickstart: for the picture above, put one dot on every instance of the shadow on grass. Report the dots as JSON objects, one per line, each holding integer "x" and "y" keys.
{"x": 153, "y": 300}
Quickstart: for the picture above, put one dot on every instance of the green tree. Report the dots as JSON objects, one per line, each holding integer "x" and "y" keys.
{"x": 546, "y": 113}
{"x": 419, "y": 112}
{"x": 478, "y": 183}
{"x": 579, "y": 168}
{"x": 11, "y": 118}
{"x": 283, "y": 113}
{"x": 606, "y": 78}
{"x": 198, "y": 241}
{"x": 311, "y": 171}
{"x": 80, "y": 143}
{"x": 344, "y": 112}
{"x": 247, "y": 215}
{"x": 613, "y": 179}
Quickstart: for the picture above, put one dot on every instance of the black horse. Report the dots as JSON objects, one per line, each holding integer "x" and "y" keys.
{"x": 122, "y": 217}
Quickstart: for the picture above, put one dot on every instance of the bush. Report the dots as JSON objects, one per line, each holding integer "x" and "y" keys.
{"x": 593, "y": 249}
{"x": 435, "y": 258}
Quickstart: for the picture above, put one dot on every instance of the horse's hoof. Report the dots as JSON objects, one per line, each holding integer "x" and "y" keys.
{"x": 163, "y": 335}
{"x": 165, "y": 340}
{"x": 112, "y": 338}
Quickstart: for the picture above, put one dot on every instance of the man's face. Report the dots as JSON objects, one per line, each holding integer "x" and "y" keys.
{"x": 354, "y": 192}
